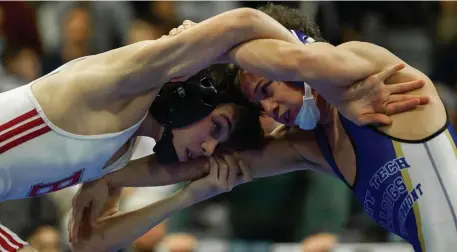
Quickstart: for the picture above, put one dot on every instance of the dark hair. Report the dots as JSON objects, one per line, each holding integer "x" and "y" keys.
{"x": 292, "y": 19}
{"x": 11, "y": 51}
{"x": 247, "y": 133}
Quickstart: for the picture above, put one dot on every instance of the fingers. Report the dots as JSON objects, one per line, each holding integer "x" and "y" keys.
{"x": 402, "y": 97}
{"x": 77, "y": 214}
{"x": 213, "y": 169}
{"x": 246, "y": 175}
{"x": 384, "y": 75}
{"x": 95, "y": 209}
{"x": 176, "y": 31}
{"x": 402, "y": 104}
{"x": 185, "y": 25}
{"x": 70, "y": 228}
{"x": 223, "y": 169}
{"x": 172, "y": 32}
{"x": 244, "y": 172}
{"x": 374, "y": 119}
{"x": 232, "y": 169}
{"x": 401, "y": 88}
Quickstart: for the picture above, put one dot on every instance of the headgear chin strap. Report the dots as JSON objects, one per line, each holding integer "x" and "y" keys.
{"x": 180, "y": 104}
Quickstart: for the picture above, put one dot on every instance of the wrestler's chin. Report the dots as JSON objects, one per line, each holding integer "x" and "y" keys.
{"x": 182, "y": 157}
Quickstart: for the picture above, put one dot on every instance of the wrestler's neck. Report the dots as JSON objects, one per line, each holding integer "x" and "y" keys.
{"x": 150, "y": 128}
{"x": 327, "y": 111}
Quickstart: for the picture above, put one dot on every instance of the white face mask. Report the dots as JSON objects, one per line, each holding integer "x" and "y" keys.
{"x": 309, "y": 114}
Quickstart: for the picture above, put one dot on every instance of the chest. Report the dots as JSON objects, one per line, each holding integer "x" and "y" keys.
{"x": 53, "y": 162}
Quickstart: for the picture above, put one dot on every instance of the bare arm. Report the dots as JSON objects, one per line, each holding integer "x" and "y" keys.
{"x": 113, "y": 232}
{"x": 313, "y": 63}
{"x": 276, "y": 157}
{"x": 116, "y": 231}
{"x": 150, "y": 64}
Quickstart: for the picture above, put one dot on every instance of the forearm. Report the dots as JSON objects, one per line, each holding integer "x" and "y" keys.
{"x": 313, "y": 63}
{"x": 200, "y": 46}
{"x": 276, "y": 157}
{"x": 193, "y": 49}
{"x": 117, "y": 231}
{"x": 147, "y": 171}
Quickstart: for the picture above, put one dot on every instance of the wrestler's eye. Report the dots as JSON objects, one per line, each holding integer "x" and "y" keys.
{"x": 216, "y": 129}
{"x": 265, "y": 89}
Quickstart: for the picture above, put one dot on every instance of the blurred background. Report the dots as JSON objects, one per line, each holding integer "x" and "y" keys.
{"x": 37, "y": 37}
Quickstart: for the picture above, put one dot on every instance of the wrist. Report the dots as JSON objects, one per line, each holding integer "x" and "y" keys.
{"x": 186, "y": 196}
{"x": 112, "y": 180}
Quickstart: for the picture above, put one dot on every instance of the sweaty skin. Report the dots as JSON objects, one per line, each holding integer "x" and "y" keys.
{"x": 427, "y": 119}
{"x": 280, "y": 154}
{"x": 111, "y": 91}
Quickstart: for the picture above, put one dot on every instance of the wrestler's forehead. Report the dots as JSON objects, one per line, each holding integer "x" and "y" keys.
{"x": 248, "y": 82}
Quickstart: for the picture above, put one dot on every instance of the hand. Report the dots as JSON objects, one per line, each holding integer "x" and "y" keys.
{"x": 225, "y": 173}
{"x": 175, "y": 31}
{"x": 89, "y": 203}
{"x": 371, "y": 101}
{"x": 185, "y": 25}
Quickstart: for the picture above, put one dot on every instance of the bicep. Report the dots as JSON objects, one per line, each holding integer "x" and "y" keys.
{"x": 149, "y": 64}
{"x": 279, "y": 155}
{"x": 336, "y": 65}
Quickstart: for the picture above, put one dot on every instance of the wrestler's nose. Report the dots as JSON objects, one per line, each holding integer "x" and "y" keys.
{"x": 209, "y": 146}
{"x": 271, "y": 108}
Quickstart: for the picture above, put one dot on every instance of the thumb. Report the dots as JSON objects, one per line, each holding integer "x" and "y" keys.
{"x": 374, "y": 118}
{"x": 95, "y": 209}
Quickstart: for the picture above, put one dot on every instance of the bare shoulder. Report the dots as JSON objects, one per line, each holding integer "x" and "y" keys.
{"x": 301, "y": 142}
{"x": 27, "y": 249}
{"x": 76, "y": 99}
{"x": 428, "y": 118}
{"x": 372, "y": 52}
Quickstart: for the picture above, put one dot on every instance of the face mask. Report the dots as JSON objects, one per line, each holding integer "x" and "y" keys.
{"x": 309, "y": 115}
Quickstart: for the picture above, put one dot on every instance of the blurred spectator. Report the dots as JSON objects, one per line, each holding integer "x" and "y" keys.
{"x": 323, "y": 242}
{"x": 445, "y": 64}
{"x": 446, "y": 29}
{"x": 162, "y": 12}
{"x": 179, "y": 243}
{"x": 34, "y": 220}
{"x": 198, "y": 11}
{"x": 143, "y": 29}
{"x": 110, "y": 23}
{"x": 46, "y": 239}
{"x": 76, "y": 31}
{"x": 18, "y": 25}
{"x": 449, "y": 97}
{"x": 19, "y": 65}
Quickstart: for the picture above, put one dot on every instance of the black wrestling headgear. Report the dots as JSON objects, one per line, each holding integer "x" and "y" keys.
{"x": 180, "y": 104}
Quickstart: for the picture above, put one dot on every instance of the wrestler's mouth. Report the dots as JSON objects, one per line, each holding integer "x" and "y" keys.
{"x": 189, "y": 154}
{"x": 287, "y": 118}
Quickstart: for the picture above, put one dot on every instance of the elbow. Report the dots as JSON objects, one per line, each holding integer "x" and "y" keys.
{"x": 296, "y": 58}
{"x": 242, "y": 22}
{"x": 312, "y": 62}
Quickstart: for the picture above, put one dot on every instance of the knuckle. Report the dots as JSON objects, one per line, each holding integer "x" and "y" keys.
{"x": 373, "y": 79}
